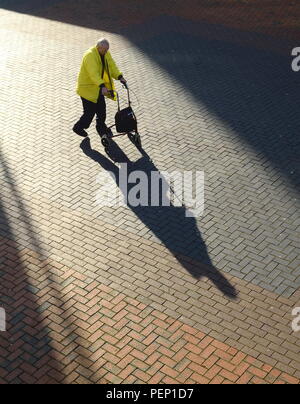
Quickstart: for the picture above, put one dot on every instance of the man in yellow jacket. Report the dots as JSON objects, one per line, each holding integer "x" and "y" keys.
{"x": 95, "y": 81}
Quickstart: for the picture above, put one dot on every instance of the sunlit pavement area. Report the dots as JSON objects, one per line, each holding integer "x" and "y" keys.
{"x": 143, "y": 294}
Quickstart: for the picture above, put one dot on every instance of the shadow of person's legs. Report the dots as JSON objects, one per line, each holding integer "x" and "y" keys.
{"x": 170, "y": 224}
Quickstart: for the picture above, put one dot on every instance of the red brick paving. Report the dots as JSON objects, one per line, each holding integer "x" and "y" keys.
{"x": 114, "y": 345}
{"x": 64, "y": 327}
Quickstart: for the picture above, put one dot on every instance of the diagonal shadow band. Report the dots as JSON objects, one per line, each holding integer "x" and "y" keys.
{"x": 30, "y": 297}
{"x": 170, "y": 224}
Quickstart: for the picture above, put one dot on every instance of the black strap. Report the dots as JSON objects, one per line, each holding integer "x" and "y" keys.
{"x": 103, "y": 63}
{"x": 107, "y": 69}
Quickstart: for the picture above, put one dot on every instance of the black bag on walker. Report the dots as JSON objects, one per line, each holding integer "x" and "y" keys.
{"x": 125, "y": 120}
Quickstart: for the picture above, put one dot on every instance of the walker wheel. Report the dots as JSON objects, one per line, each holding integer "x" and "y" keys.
{"x": 105, "y": 141}
{"x": 137, "y": 140}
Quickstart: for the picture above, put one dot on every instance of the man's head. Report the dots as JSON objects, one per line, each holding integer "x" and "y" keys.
{"x": 102, "y": 46}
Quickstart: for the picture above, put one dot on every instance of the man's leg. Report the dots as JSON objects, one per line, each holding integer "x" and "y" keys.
{"x": 101, "y": 116}
{"x": 89, "y": 110}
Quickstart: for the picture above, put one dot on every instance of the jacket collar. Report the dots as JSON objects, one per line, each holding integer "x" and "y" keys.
{"x": 95, "y": 51}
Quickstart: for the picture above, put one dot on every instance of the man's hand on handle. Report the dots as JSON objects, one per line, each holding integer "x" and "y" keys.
{"x": 104, "y": 91}
{"x": 123, "y": 81}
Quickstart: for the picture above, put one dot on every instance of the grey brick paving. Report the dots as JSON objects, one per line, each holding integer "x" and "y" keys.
{"x": 220, "y": 107}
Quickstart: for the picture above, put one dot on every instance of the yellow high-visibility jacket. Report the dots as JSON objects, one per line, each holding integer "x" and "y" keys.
{"x": 92, "y": 74}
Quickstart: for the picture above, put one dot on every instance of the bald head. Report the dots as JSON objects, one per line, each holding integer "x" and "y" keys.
{"x": 102, "y": 46}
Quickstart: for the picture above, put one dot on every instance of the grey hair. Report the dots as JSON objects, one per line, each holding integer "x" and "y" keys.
{"x": 102, "y": 42}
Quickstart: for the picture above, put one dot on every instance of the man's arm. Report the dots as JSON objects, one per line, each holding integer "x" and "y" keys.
{"x": 114, "y": 71}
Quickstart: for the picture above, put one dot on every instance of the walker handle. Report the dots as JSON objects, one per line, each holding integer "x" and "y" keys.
{"x": 125, "y": 85}
{"x": 113, "y": 92}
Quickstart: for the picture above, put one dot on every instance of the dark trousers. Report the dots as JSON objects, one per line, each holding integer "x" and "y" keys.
{"x": 90, "y": 109}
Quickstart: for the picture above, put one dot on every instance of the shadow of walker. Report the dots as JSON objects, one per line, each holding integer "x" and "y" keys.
{"x": 172, "y": 225}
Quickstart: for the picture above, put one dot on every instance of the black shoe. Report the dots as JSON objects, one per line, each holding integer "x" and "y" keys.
{"x": 79, "y": 131}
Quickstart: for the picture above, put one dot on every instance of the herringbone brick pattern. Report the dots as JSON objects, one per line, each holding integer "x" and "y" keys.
{"x": 92, "y": 333}
{"x": 143, "y": 295}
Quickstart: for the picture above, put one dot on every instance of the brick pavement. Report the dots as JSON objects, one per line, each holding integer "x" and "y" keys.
{"x": 144, "y": 295}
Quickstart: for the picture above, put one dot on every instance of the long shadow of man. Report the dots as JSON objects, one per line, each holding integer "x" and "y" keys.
{"x": 169, "y": 224}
